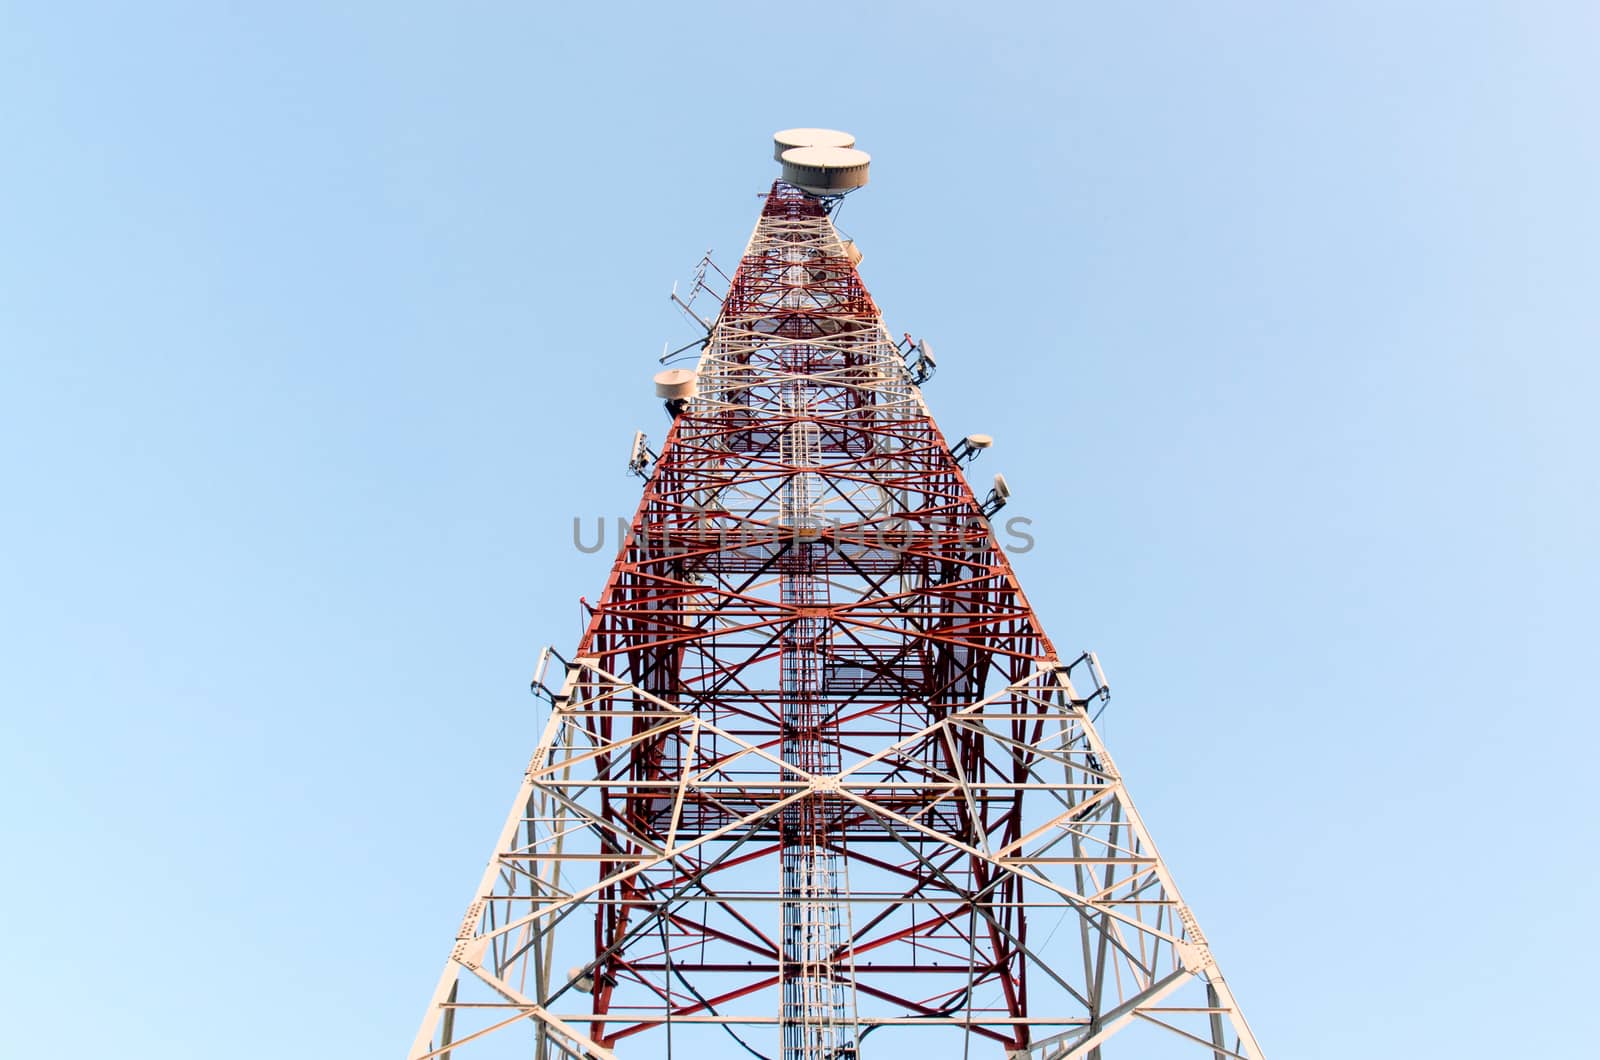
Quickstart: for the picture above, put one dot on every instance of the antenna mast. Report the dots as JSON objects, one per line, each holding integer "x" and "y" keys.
{"x": 815, "y": 785}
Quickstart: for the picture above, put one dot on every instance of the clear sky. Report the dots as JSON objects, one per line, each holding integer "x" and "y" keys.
{"x": 320, "y": 322}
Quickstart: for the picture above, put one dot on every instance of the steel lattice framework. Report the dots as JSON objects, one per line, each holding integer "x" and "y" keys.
{"x": 816, "y": 784}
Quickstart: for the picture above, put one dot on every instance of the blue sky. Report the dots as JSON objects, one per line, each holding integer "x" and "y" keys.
{"x": 318, "y": 323}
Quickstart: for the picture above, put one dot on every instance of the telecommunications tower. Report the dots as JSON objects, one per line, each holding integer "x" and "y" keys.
{"x": 814, "y": 784}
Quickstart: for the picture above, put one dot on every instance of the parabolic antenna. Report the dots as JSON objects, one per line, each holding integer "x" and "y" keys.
{"x": 782, "y": 141}
{"x": 675, "y": 384}
{"x": 825, "y": 170}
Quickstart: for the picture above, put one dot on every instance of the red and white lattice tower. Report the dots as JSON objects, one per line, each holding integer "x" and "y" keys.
{"x": 815, "y": 785}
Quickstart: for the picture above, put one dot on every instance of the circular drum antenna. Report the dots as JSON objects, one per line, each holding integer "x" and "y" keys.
{"x": 782, "y": 141}
{"x": 675, "y": 387}
{"x": 825, "y": 171}
{"x": 675, "y": 384}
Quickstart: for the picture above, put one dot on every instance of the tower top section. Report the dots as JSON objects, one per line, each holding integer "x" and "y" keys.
{"x": 820, "y": 162}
